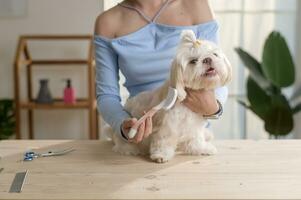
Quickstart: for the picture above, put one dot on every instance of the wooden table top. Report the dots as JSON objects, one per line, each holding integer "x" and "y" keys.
{"x": 243, "y": 169}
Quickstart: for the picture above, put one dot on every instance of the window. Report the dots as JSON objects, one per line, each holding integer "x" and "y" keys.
{"x": 246, "y": 24}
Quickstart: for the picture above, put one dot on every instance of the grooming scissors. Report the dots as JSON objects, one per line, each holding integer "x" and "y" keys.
{"x": 30, "y": 155}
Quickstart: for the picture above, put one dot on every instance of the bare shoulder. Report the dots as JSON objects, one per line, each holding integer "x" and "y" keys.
{"x": 200, "y": 9}
{"x": 106, "y": 23}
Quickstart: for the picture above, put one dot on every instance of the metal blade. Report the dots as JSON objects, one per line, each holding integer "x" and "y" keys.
{"x": 58, "y": 153}
{"x": 18, "y": 182}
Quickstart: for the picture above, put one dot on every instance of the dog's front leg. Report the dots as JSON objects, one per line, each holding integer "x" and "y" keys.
{"x": 162, "y": 147}
{"x": 123, "y": 147}
{"x": 200, "y": 144}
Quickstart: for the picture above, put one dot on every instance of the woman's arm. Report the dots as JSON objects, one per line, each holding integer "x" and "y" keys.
{"x": 107, "y": 80}
{"x": 107, "y": 75}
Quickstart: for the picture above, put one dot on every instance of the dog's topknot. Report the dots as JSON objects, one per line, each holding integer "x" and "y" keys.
{"x": 188, "y": 36}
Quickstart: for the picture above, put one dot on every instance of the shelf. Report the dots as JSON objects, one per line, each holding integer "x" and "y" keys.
{"x": 59, "y": 62}
{"x": 83, "y": 104}
{"x": 55, "y": 62}
{"x": 24, "y": 59}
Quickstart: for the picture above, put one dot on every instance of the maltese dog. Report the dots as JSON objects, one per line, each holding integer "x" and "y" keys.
{"x": 198, "y": 64}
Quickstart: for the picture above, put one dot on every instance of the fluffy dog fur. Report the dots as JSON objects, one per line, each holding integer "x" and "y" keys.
{"x": 198, "y": 64}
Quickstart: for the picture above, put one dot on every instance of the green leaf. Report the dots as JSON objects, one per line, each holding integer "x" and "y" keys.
{"x": 260, "y": 101}
{"x": 242, "y": 100}
{"x": 7, "y": 118}
{"x": 243, "y": 103}
{"x": 279, "y": 119}
{"x": 254, "y": 68}
{"x": 277, "y": 61}
{"x": 296, "y": 94}
{"x": 297, "y": 108}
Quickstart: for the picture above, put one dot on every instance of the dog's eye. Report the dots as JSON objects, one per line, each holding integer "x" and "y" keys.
{"x": 215, "y": 54}
{"x": 194, "y": 61}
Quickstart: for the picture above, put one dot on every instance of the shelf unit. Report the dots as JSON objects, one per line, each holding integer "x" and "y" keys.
{"x": 23, "y": 58}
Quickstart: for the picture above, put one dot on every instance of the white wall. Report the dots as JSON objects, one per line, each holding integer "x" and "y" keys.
{"x": 246, "y": 24}
{"x": 50, "y": 17}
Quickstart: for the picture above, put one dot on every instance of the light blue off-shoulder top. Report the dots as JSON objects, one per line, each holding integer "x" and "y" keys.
{"x": 144, "y": 58}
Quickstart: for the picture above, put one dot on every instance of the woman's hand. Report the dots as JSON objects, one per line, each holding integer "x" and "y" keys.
{"x": 144, "y": 130}
{"x": 201, "y": 101}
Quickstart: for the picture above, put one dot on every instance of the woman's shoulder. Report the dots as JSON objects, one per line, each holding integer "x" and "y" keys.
{"x": 200, "y": 9}
{"x": 196, "y": 4}
{"x": 107, "y": 22}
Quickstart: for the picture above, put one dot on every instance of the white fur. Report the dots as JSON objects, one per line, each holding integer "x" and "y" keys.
{"x": 179, "y": 128}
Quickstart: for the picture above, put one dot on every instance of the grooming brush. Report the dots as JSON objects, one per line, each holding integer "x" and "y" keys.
{"x": 166, "y": 104}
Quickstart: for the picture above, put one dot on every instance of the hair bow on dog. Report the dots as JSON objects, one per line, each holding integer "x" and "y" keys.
{"x": 197, "y": 43}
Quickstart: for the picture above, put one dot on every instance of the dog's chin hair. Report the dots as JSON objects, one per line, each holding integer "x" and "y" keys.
{"x": 211, "y": 83}
{"x": 205, "y": 83}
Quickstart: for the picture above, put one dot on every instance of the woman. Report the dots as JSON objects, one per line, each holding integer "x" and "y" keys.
{"x": 139, "y": 38}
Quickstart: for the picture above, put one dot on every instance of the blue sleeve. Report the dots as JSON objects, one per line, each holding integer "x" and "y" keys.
{"x": 221, "y": 94}
{"x": 211, "y": 32}
{"x": 107, "y": 84}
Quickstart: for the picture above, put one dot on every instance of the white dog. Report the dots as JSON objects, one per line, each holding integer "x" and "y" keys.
{"x": 198, "y": 64}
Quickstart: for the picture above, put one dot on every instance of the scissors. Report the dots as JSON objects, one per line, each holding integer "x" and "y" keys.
{"x": 30, "y": 155}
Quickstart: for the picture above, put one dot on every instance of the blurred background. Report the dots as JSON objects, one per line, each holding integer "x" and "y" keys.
{"x": 243, "y": 23}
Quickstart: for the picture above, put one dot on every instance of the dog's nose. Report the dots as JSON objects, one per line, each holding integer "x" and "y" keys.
{"x": 207, "y": 61}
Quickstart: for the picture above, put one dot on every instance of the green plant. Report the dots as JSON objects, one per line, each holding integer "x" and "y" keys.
{"x": 7, "y": 118}
{"x": 265, "y": 83}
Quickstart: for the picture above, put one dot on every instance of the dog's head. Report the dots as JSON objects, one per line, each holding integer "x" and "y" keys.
{"x": 199, "y": 64}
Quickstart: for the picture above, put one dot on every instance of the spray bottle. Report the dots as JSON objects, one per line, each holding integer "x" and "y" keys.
{"x": 69, "y": 93}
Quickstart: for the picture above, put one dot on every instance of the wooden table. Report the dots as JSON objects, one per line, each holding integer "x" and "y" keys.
{"x": 242, "y": 170}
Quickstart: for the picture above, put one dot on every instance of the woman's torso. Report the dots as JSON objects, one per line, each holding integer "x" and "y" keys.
{"x": 145, "y": 47}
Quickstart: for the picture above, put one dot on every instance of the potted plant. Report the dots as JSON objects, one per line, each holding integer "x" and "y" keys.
{"x": 7, "y": 118}
{"x": 265, "y": 85}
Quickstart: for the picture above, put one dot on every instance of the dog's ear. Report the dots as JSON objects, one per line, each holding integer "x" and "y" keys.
{"x": 228, "y": 76}
{"x": 188, "y": 36}
{"x": 176, "y": 80}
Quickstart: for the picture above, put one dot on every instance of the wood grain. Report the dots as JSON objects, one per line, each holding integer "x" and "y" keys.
{"x": 243, "y": 169}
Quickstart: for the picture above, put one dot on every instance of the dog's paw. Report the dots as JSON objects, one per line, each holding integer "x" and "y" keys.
{"x": 209, "y": 149}
{"x": 159, "y": 158}
{"x": 198, "y": 149}
{"x": 163, "y": 155}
